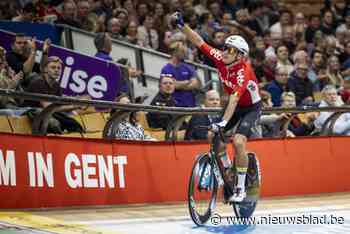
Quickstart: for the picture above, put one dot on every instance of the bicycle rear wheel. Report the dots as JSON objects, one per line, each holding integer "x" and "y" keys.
{"x": 247, "y": 207}
{"x": 202, "y": 190}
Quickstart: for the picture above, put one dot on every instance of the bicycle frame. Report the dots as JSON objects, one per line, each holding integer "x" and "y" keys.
{"x": 210, "y": 164}
{"x": 215, "y": 149}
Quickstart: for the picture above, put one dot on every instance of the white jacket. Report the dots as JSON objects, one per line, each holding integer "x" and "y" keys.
{"x": 342, "y": 124}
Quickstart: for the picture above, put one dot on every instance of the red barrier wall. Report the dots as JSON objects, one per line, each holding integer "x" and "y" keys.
{"x": 146, "y": 172}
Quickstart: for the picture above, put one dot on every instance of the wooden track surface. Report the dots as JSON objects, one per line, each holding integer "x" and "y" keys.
{"x": 98, "y": 219}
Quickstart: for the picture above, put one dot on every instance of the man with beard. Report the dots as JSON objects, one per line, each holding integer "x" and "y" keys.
{"x": 22, "y": 55}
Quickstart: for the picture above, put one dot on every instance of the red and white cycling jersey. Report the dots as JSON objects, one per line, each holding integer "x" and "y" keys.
{"x": 238, "y": 78}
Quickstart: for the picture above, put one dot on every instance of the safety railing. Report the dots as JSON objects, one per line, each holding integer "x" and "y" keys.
{"x": 40, "y": 124}
{"x": 148, "y": 60}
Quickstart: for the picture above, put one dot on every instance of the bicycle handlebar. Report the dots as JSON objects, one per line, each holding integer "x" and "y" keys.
{"x": 219, "y": 133}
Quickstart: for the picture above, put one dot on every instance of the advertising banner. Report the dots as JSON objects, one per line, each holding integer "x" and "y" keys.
{"x": 82, "y": 74}
{"x": 40, "y": 31}
{"x": 58, "y": 172}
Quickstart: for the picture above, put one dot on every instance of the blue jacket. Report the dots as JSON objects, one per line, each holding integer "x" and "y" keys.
{"x": 276, "y": 90}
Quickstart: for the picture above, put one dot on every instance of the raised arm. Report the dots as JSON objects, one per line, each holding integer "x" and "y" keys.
{"x": 191, "y": 35}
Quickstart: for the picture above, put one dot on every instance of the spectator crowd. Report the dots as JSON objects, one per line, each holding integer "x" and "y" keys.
{"x": 299, "y": 59}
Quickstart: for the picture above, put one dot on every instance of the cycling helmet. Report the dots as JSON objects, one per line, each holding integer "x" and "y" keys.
{"x": 238, "y": 42}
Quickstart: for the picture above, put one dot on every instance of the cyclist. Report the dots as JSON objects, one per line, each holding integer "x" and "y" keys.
{"x": 244, "y": 103}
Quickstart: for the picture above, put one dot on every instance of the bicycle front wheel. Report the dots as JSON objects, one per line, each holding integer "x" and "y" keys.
{"x": 202, "y": 190}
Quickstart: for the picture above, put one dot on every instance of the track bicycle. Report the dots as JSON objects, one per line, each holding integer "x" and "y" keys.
{"x": 208, "y": 175}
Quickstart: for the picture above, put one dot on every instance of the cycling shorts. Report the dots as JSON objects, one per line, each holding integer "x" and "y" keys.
{"x": 246, "y": 119}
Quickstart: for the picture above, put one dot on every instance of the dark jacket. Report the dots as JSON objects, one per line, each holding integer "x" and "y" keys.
{"x": 156, "y": 120}
{"x": 199, "y": 120}
{"x": 276, "y": 90}
{"x": 302, "y": 88}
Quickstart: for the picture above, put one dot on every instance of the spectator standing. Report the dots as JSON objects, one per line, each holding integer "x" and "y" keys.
{"x": 163, "y": 98}
{"x": 186, "y": 77}
{"x": 212, "y": 99}
{"x": 103, "y": 44}
{"x": 300, "y": 84}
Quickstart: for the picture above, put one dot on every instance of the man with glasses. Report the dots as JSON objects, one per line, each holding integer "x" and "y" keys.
{"x": 244, "y": 101}
{"x": 300, "y": 84}
{"x": 277, "y": 86}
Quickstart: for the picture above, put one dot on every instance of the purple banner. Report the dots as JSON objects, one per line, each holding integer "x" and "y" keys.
{"x": 82, "y": 74}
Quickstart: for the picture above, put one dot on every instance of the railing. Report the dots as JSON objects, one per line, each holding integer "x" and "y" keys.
{"x": 39, "y": 126}
{"x": 148, "y": 60}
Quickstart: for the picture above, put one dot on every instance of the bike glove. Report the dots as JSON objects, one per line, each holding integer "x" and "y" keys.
{"x": 215, "y": 127}
{"x": 178, "y": 20}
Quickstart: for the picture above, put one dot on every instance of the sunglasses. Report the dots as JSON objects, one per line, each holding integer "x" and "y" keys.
{"x": 230, "y": 50}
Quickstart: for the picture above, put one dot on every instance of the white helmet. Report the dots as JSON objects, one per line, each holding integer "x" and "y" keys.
{"x": 238, "y": 42}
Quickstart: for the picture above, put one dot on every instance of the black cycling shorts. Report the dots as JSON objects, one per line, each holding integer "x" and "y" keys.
{"x": 247, "y": 119}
